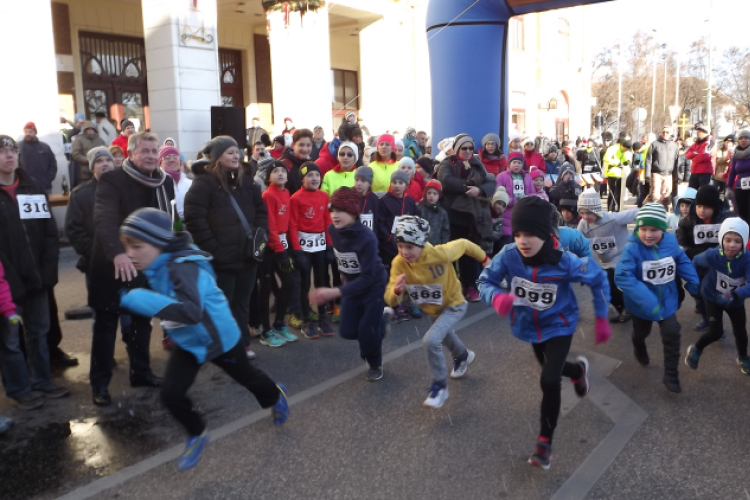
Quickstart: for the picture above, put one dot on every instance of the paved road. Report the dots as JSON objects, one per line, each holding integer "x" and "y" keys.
{"x": 347, "y": 438}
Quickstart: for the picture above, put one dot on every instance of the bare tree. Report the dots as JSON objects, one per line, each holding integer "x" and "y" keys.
{"x": 735, "y": 79}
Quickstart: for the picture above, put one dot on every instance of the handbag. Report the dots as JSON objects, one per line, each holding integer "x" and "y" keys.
{"x": 256, "y": 241}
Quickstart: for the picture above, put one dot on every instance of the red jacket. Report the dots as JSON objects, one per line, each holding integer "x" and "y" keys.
{"x": 277, "y": 204}
{"x": 703, "y": 155}
{"x": 309, "y": 214}
{"x": 275, "y": 153}
{"x": 121, "y": 141}
{"x": 494, "y": 166}
{"x": 534, "y": 159}
{"x": 326, "y": 161}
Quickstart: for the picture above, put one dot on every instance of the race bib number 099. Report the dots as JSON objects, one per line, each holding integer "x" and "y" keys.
{"x": 348, "y": 262}
{"x": 706, "y": 233}
{"x": 539, "y": 296}
{"x": 659, "y": 272}
{"x": 33, "y": 206}
{"x": 725, "y": 284}
{"x": 425, "y": 294}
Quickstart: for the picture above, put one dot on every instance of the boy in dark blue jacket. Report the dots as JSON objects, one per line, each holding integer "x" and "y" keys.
{"x": 543, "y": 306}
{"x": 196, "y": 315}
{"x": 726, "y": 274}
{"x": 650, "y": 263}
{"x": 395, "y": 203}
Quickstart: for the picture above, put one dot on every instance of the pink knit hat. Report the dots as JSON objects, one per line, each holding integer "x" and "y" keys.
{"x": 387, "y": 138}
{"x": 167, "y": 150}
{"x": 535, "y": 172}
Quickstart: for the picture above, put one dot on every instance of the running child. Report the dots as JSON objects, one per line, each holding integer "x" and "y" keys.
{"x": 427, "y": 276}
{"x": 364, "y": 316}
{"x": 517, "y": 184}
{"x": 607, "y": 233}
{"x": 543, "y": 307}
{"x": 196, "y": 315}
{"x": 646, "y": 274}
{"x": 726, "y": 274}
{"x": 434, "y": 214}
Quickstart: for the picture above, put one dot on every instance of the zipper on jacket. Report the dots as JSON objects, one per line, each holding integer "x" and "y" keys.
{"x": 536, "y": 315}
{"x": 658, "y": 287}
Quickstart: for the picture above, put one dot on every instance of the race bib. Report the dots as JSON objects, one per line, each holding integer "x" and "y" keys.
{"x": 659, "y": 272}
{"x": 33, "y": 206}
{"x": 603, "y": 245}
{"x": 282, "y": 239}
{"x": 588, "y": 168}
{"x": 68, "y": 148}
{"x": 312, "y": 242}
{"x": 518, "y": 188}
{"x": 539, "y": 296}
{"x": 348, "y": 262}
{"x": 395, "y": 221}
{"x": 725, "y": 284}
{"x": 366, "y": 220}
{"x": 425, "y": 294}
{"x": 706, "y": 233}
{"x": 745, "y": 183}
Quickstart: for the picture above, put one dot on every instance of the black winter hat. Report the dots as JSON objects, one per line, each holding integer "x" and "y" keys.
{"x": 532, "y": 215}
{"x": 426, "y": 164}
{"x": 708, "y": 196}
{"x": 150, "y": 225}
{"x": 308, "y": 167}
{"x": 216, "y": 147}
{"x": 273, "y": 166}
{"x": 7, "y": 141}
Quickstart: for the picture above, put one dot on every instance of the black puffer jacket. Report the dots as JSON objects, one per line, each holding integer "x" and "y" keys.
{"x": 293, "y": 164}
{"x": 456, "y": 178}
{"x": 79, "y": 222}
{"x": 213, "y": 222}
{"x": 29, "y": 248}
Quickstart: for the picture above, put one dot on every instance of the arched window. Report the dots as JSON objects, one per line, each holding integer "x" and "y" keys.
{"x": 563, "y": 33}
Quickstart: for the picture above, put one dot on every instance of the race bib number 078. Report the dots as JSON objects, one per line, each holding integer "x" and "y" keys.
{"x": 659, "y": 272}
{"x": 33, "y": 206}
{"x": 539, "y": 296}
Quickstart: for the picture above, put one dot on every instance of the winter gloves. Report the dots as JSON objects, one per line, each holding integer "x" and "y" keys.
{"x": 503, "y": 303}
{"x": 602, "y": 330}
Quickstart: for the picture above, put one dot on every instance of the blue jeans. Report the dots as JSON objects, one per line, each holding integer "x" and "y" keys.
{"x": 17, "y": 378}
{"x": 441, "y": 333}
{"x": 362, "y": 320}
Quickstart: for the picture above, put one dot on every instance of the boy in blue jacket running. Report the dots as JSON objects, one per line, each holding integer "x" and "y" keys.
{"x": 543, "y": 306}
{"x": 726, "y": 274}
{"x": 646, "y": 274}
{"x": 196, "y": 315}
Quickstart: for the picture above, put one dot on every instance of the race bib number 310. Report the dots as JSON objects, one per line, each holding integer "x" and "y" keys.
{"x": 659, "y": 272}
{"x": 312, "y": 242}
{"x": 706, "y": 233}
{"x": 539, "y": 296}
{"x": 33, "y": 206}
{"x": 425, "y": 294}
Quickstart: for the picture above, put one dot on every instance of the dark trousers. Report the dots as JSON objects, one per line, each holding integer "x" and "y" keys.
{"x": 697, "y": 181}
{"x": 362, "y": 320}
{"x": 54, "y": 336}
{"x": 182, "y": 370}
{"x": 268, "y": 277}
{"x": 613, "y": 199}
{"x": 737, "y": 317}
{"x": 137, "y": 340}
{"x": 238, "y": 287}
{"x": 670, "y": 339}
{"x": 742, "y": 204}
{"x": 316, "y": 263}
{"x": 615, "y": 293}
{"x": 552, "y": 354}
{"x": 468, "y": 267}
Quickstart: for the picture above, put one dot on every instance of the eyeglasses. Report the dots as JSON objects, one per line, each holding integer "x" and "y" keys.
{"x": 347, "y": 155}
{"x": 9, "y": 151}
{"x": 467, "y": 148}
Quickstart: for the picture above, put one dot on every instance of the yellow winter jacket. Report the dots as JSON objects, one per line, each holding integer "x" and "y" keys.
{"x": 614, "y": 157}
{"x": 431, "y": 281}
{"x": 334, "y": 179}
{"x": 381, "y": 175}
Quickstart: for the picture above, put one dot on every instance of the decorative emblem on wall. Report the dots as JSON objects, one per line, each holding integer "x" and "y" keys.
{"x": 192, "y": 29}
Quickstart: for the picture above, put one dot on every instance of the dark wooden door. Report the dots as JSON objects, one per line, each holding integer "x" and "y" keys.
{"x": 232, "y": 88}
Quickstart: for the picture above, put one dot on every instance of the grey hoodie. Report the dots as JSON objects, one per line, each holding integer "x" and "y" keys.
{"x": 608, "y": 236}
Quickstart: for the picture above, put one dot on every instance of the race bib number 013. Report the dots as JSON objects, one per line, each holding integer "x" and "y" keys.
{"x": 659, "y": 272}
{"x": 312, "y": 242}
{"x": 33, "y": 206}
{"x": 603, "y": 245}
{"x": 348, "y": 262}
{"x": 282, "y": 239}
{"x": 425, "y": 294}
{"x": 725, "y": 284}
{"x": 539, "y": 296}
{"x": 706, "y": 233}
{"x": 366, "y": 220}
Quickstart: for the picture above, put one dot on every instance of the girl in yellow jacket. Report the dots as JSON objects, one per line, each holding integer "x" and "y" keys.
{"x": 426, "y": 274}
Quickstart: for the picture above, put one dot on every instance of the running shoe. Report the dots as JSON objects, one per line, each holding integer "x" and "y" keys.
{"x": 415, "y": 312}
{"x": 472, "y": 295}
{"x": 542, "y": 455}
{"x": 325, "y": 329}
{"x": 402, "y": 314}
{"x": 5, "y": 424}
{"x": 280, "y": 410}
{"x": 249, "y": 352}
{"x": 295, "y": 321}
{"x": 388, "y": 313}
{"x": 374, "y": 373}
{"x": 192, "y": 453}
{"x": 744, "y": 363}
{"x": 702, "y": 326}
{"x": 460, "y": 366}
{"x": 672, "y": 383}
{"x": 285, "y": 334}
{"x": 437, "y": 396}
{"x": 641, "y": 355}
{"x": 336, "y": 316}
{"x": 582, "y": 384}
{"x": 309, "y": 331}
{"x": 28, "y": 402}
{"x": 270, "y": 339}
{"x": 692, "y": 357}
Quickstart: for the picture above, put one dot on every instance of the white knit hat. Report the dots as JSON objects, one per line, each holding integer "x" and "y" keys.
{"x": 590, "y": 200}
{"x": 734, "y": 225}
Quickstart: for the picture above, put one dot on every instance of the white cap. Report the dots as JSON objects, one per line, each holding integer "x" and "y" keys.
{"x": 734, "y": 225}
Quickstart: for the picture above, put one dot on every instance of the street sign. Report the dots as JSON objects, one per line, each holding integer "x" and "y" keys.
{"x": 639, "y": 115}
{"x": 674, "y": 112}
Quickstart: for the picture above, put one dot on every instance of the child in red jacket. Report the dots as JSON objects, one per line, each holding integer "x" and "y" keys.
{"x": 313, "y": 251}
{"x": 415, "y": 189}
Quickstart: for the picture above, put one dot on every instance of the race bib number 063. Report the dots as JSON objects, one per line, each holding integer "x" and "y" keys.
{"x": 659, "y": 272}
{"x": 539, "y": 296}
{"x": 706, "y": 233}
{"x": 33, "y": 206}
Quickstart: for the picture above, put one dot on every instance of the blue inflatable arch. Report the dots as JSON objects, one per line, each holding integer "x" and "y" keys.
{"x": 468, "y": 45}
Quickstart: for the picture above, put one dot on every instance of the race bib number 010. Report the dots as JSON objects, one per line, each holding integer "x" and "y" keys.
{"x": 425, "y": 294}
{"x": 706, "y": 233}
{"x": 33, "y": 206}
{"x": 282, "y": 239}
{"x": 366, "y": 220}
{"x": 725, "y": 284}
{"x": 312, "y": 242}
{"x": 539, "y": 296}
{"x": 659, "y": 272}
{"x": 348, "y": 262}
{"x": 603, "y": 245}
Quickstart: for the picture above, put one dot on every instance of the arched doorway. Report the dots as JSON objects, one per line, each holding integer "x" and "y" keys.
{"x": 562, "y": 117}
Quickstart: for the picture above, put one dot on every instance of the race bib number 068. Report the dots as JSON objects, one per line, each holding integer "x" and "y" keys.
{"x": 539, "y": 296}
{"x": 33, "y": 206}
{"x": 659, "y": 272}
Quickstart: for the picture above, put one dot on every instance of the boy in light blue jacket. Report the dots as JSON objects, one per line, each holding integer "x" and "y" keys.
{"x": 646, "y": 274}
{"x": 196, "y": 315}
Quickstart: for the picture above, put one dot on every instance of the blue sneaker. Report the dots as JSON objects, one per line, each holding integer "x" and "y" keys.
{"x": 702, "y": 326}
{"x": 192, "y": 453}
{"x": 280, "y": 410}
{"x": 692, "y": 357}
{"x": 284, "y": 333}
{"x": 5, "y": 424}
{"x": 437, "y": 396}
{"x": 744, "y": 363}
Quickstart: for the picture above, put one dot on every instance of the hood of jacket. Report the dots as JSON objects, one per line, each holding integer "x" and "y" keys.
{"x": 734, "y": 225}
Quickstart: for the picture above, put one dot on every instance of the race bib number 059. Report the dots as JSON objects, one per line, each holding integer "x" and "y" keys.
{"x": 33, "y": 206}
{"x": 659, "y": 272}
{"x": 312, "y": 242}
{"x": 603, "y": 245}
{"x": 348, "y": 262}
{"x": 425, "y": 294}
{"x": 706, "y": 233}
{"x": 725, "y": 284}
{"x": 539, "y": 296}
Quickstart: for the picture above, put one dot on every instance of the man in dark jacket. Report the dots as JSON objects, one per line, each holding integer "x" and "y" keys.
{"x": 85, "y": 142}
{"x": 138, "y": 183}
{"x": 253, "y": 135}
{"x": 661, "y": 161}
{"x": 29, "y": 250}
{"x": 37, "y": 158}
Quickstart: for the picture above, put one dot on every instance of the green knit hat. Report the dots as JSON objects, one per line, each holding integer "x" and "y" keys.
{"x": 652, "y": 214}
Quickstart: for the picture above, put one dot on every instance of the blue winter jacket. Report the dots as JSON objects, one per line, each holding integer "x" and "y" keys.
{"x": 646, "y": 300}
{"x": 194, "y": 311}
{"x": 711, "y": 262}
{"x": 572, "y": 240}
{"x": 554, "y": 312}
{"x": 356, "y": 250}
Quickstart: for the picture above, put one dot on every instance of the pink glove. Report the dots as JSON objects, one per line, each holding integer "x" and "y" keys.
{"x": 503, "y": 302}
{"x": 602, "y": 330}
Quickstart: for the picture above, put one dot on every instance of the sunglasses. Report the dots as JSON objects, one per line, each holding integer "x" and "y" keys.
{"x": 467, "y": 148}
{"x": 347, "y": 155}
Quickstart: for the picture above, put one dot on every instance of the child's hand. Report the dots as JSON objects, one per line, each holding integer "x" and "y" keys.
{"x": 400, "y": 284}
{"x": 487, "y": 262}
{"x": 320, "y": 296}
{"x": 503, "y": 303}
{"x": 14, "y": 319}
{"x": 602, "y": 330}
{"x": 725, "y": 300}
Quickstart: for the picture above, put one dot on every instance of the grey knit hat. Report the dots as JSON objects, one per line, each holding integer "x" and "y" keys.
{"x": 460, "y": 140}
{"x": 96, "y": 152}
{"x": 364, "y": 173}
{"x": 590, "y": 200}
{"x": 745, "y": 132}
{"x": 400, "y": 175}
{"x": 494, "y": 138}
{"x": 150, "y": 225}
{"x": 216, "y": 147}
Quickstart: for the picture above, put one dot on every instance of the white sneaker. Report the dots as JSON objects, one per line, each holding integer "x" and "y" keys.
{"x": 460, "y": 367}
{"x": 250, "y": 354}
{"x": 438, "y": 395}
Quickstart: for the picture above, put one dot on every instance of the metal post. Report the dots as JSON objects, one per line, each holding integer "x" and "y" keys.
{"x": 653, "y": 93}
{"x": 677, "y": 85}
{"x": 708, "y": 96}
{"x": 619, "y": 91}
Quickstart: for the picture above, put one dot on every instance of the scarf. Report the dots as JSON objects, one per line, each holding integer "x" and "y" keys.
{"x": 156, "y": 183}
{"x": 548, "y": 254}
{"x": 741, "y": 154}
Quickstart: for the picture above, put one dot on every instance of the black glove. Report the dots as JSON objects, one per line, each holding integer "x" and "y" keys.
{"x": 284, "y": 262}
{"x": 330, "y": 257}
{"x": 299, "y": 259}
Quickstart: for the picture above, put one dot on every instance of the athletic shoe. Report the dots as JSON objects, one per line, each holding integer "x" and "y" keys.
{"x": 701, "y": 327}
{"x": 270, "y": 339}
{"x": 28, "y": 402}
{"x": 436, "y": 398}
{"x": 314, "y": 317}
{"x": 744, "y": 363}
{"x": 623, "y": 317}
{"x": 402, "y": 314}
{"x": 582, "y": 384}
{"x": 460, "y": 367}
{"x": 388, "y": 313}
{"x": 672, "y": 383}
{"x": 309, "y": 331}
{"x": 471, "y": 294}
{"x": 192, "y": 453}
{"x": 295, "y": 321}
{"x": 641, "y": 355}
{"x": 280, "y": 410}
{"x": 5, "y": 424}
{"x": 51, "y": 390}
{"x": 249, "y": 353}
{"x": 542, "y": 455}
{"x": 285, "y": 334}
{"x": 415, "y": 312}
{"x": 692, "y": 357}
{"x": 325, "y": 329}
{"x": 375, "y": 373}
{"x": 336, "y": 316}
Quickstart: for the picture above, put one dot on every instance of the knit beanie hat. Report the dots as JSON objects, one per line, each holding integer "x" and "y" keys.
{"x": 364, "y": 173}
{"x": 412, "y": 229}
{"x": 308, "y": 167}
{"x": 406, "y": 163}
{"x": 436, "y": 185}
{"x": 410, "y": 133}
{"x": 734, "y": 225}
{"x": 494, "y": 138}
{"x": 428, "y": 167}
{"x": 387, "y": 138}
{"x": 348, "y": 114}
{"x": 280, "y": 139}
{"x": 96, "y": 152}
{"x": 745, "y": 132}
{"x": 516, "y": 156}
{"x": 501, "y": 195}
{"x": 30, "y": 125}
{"x": 7, "y": 141}
{"x": 652, "y": 214}
{"x": 165, "y": 151}
{"x": 346, "y": 199}
{"x": 527, "y": 140}
{"x": 535, "y": 172}
{"x": 273, "y": 166}
{"x": 590, "y": 201}
{"x": 126, "y": 123}
{"x": 150, "y": 225}
{"x": 400, "y": 175}
{"x": 353, "y": 147}
{"x": 708, "y": 196}
{"x": 514, "y": 137}
{"x": 532, "y": 215}
{"x": 216, "y": 147}
{"x": 399, "y": 142}
{"x": 460, "y": 140}
{"x": 703, "y": 128}
{"x": 79, "y": 117}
